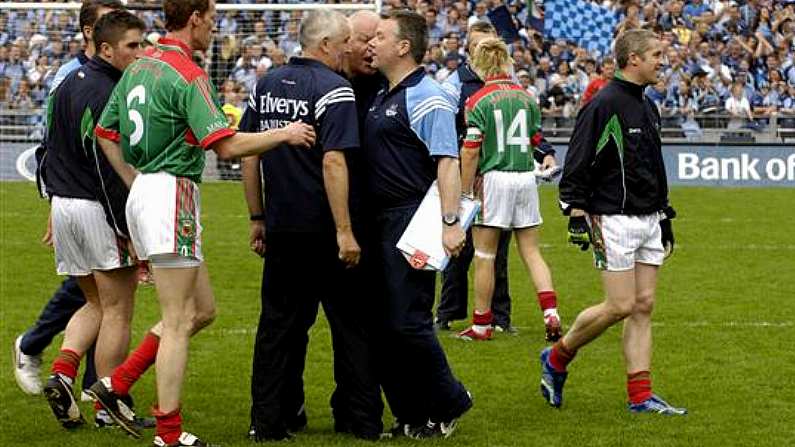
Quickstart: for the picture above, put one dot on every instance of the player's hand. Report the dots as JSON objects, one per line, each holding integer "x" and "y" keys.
{"x": 46, "y": 239}
{"x": 256, "y": 238}
{"x": 548, "y": 162}
{"x": 350, "y": 252}
{"x": 453, "y": 239}
{"x": 579, "y": 233}
{"x": 299, "y": 134}
{"x": 667, "y": 237}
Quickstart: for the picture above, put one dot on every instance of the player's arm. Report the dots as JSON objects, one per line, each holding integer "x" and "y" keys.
{"x": 210, "y": 126}
{"x": 242, "y": 144}
{"x": 576, "y": 180}
{"x": 252, "y": 187}
{"x": 337, "y": 132}
{"x": 335, "y": 179}
{"x": 575, "y": 184}
{"x": 113, "y": 152}
{"x": 470, "y": 159}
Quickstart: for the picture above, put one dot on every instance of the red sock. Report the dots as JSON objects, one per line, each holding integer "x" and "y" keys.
{"x": 66, "y": 363}
{"x": 639, "y": 386}
{"x": 561, "y": 356}
{"x": 547, "y": 300}
{"x": 97, "y": 406}
{"x": 136, "y": 364}
{"x": 169, "y": 425}
{"x": 484, "y": 319}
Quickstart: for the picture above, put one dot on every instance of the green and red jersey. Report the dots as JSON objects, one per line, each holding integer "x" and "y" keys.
{"x": 164, "y": 112}
{"x": 504, "y": 123}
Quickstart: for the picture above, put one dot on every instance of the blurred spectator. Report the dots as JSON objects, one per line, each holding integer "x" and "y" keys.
{"x": 480, "y": 13}
{"x": 14, "y": 69}
{"x": 606, "y": 72}
{"x": 451, "y": 62}
{"x": 738, "y": 107}
{"x": 288, "y": 42}
{"x": 435, "y": 32}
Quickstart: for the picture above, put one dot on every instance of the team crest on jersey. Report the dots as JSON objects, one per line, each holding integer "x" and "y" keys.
{"x": 392, "y": 110}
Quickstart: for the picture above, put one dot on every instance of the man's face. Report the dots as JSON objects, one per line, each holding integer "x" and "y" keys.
{"x": 430, "y": 18}
{"x": 385, "y": 46}
{"x": 126, "y": 51}
{"x": 338, "y": 47}
{"x": 14, "y": 54}
{"x": 608, "y": 71}
{"x": 204, "y": 28}
{"x": 772, "y": 63}
{"x": 475, "y": 37}
{"x": 359, "y": 59}
{"x": 650, "y": 62}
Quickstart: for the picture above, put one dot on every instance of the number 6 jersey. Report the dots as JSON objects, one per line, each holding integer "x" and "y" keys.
{"x": 504, "y": 122}
{"x": 164, "y": 112}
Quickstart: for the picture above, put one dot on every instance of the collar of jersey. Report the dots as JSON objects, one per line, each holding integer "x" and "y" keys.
{"x": 175, "y": 43}
{"x": 411, "y": 80}
{"x": 105, "y": 67}
{"x": 466, "y": 74}
{"x": 631, "y": 87}
{"x": 297, "y": 60}
{"x": 498, "y": 79}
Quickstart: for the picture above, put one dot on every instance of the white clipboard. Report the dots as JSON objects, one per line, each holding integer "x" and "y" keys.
{"x": 421, "y": 242}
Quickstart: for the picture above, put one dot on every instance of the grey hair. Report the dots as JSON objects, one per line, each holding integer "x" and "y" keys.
{"x": 320, "y": 24}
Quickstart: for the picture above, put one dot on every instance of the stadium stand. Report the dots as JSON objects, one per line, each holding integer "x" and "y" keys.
{"x": 710, "y": 45}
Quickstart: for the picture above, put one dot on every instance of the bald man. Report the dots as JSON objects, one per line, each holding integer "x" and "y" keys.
{"x": 316, "y": 179}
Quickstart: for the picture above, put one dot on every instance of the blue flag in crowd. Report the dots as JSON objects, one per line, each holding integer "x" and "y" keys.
{"x": 589, "y": 25}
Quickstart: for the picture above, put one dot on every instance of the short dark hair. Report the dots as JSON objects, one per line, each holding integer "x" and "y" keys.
{"x": 178, "y": 12}
{"x": 111, "y": 27}
{"x": 411, "y": 27}
{"x": 90, "y": 10}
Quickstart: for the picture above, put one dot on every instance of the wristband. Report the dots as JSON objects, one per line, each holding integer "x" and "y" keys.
{"x": 257, "y": 217}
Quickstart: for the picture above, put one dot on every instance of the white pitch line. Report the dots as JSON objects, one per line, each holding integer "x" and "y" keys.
{"x": 237, "y": 331}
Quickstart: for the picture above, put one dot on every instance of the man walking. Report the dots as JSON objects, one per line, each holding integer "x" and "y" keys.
{"x": 615, "y": 191}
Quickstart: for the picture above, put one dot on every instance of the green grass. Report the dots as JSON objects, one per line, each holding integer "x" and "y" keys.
{"x": 724, "y": 336}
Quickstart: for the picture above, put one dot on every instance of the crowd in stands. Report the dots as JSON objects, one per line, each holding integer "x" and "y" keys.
{"x": 731, "y": 57}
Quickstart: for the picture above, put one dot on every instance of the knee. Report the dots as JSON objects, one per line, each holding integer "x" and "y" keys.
{"x": 620, "y": 309}
{"x": 644, "y": 304}
{"x": 203, "y": 318}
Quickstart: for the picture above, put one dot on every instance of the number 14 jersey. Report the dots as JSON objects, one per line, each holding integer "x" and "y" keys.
{"x": 504, "y": 123}
{"x": 164, "y": 112}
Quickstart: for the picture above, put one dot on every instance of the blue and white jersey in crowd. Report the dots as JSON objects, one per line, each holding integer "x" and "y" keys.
{"x": 309, "y": 91}
{"x": 405, "y": 129}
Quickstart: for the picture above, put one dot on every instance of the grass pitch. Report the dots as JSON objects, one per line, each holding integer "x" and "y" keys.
{"x": 724, "y": 336}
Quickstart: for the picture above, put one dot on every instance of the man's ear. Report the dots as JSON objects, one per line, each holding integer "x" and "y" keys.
{"x": 403, "y": 48}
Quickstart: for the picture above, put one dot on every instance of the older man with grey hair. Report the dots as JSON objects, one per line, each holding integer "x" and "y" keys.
{"x": 306, "y": 216}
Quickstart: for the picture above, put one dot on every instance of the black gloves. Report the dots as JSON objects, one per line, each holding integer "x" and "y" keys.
{"x": 579, "y": 233}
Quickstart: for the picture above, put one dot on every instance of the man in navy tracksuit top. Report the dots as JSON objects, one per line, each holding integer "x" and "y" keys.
{"x": 311, "y": 254}
{"x": 409, "y": 141}
{"x": 87, "y": 213}
{"x": 29, "y": 346}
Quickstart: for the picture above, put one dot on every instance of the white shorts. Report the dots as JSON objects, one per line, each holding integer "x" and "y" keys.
{"x": 619, "y": 241}
{"x": 163, "y": 216}
{"x": 83, "y": 239}
{"x": 508, "y": 200}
